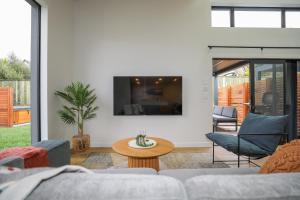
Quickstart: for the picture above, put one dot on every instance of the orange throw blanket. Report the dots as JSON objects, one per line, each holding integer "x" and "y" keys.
{"x": 33, "y": 156}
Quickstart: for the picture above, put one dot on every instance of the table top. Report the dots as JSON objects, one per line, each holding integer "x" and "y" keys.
{"x": 163, "y": 147}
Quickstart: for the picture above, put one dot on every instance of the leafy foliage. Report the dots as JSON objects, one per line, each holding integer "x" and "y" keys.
{"x": 12, "y": 68}
{"x": 80, "y": 99}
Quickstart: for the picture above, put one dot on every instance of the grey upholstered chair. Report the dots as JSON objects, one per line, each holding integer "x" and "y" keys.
{"x": 258, "y": 137}
{"x": 225, "y": 115}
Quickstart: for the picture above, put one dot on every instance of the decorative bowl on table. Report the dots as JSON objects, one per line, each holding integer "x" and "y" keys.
{"x": 142, "y": 142}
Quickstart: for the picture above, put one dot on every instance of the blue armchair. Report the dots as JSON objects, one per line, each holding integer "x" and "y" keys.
{"x": 258, "y": 137}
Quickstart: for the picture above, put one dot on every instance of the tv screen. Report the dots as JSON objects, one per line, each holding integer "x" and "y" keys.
{"x": 148, "y": 95}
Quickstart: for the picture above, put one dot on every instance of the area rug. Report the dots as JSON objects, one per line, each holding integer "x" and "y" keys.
{"x": 169, "y": 161}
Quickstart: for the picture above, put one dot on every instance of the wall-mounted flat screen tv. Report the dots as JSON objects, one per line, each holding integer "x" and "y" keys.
{"x": 147, "y": 95}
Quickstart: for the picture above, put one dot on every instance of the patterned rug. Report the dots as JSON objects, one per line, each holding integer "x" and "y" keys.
{"x": 169, "y": 161}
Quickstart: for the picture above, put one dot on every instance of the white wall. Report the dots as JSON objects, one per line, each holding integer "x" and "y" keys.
{"x": 60, "y": 45}
{"x": 255, "y": 37}
{"x": 142, "y": 37}
{"x": 94, "y": 40}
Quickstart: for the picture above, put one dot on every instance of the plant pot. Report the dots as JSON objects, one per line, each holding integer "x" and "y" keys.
{"x": 80, "y": 143}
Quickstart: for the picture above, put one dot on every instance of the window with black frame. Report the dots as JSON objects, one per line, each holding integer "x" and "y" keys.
{"x": 255, "y": 17}
{"x": 19, "y": 73}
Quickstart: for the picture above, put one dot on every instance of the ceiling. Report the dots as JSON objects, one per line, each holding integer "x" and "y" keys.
{"x": 221, "y": 64}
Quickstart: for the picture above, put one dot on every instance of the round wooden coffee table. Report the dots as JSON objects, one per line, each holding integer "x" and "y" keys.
{"x": 147, "y": 158}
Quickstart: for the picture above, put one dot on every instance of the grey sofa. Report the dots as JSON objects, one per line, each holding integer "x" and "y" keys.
{"x": 179, "y": 184}
{"x": 59, "y": 154}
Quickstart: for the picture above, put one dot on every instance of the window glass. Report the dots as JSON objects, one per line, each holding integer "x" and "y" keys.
{"x": 220, "y": 18}
{"x": 265, "y": 19}
{"x": 292, "y": 19}
{"x": 15, "y": 73}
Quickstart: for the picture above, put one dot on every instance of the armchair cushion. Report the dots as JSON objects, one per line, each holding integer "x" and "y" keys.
{"x": 218, "y": 110}
{"x": 261, "y": 124}
{"x": 230, "y": 143}
{"x": 229, "y": 112}
{"x": 220, "y": 119}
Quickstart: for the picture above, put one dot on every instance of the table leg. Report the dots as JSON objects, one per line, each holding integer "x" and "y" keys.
{"x": 152, "y": 162}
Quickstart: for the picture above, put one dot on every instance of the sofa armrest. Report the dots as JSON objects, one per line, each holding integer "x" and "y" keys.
{"x": 184, "y": 174}
{"x": 264, "y": 134}
{"x": 283, "y": 135}
{"x": 59, "y": 153}
{"x": 13, "y": 161}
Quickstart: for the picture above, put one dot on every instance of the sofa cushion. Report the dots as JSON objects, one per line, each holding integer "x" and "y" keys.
{"x": 230, "y": 142}
{"x": 285, "y": 159}
{"x": 229, "y": 112}
{"x": 219, "y": 119}
{"x": 218, "y": 110}
{"x": 109, "y": 187}
{"x": 13, "y": 161}
{"x": 184, "y": 174}
{"x": 261, "y": 124}
{"x": 21, "y": 174}
{"x": 146, "y": 171}
{"x": 244, "y": 187}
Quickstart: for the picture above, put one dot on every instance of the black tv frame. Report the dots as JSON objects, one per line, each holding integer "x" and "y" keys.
{"x": 155, "y": 76}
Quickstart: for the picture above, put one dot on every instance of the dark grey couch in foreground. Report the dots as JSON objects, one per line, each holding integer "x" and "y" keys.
{"x": 179, "y": 184}
{"x": 59, "y": 152}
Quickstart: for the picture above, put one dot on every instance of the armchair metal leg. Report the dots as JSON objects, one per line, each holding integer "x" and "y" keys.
{"x": 213, "y": 153}
{"x": 215, "y": 126}
{"x": 249, "y": 160}
{"x": 238, "y": 152}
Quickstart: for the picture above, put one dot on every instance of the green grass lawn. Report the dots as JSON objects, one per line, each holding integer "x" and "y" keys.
{"x": 15, "y": 136}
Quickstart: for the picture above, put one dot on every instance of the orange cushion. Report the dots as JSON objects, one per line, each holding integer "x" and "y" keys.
{"x": 285, "y": 159}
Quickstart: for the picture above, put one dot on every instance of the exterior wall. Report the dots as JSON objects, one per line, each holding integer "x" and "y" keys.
{"x": 21, "y": 116}
{"x": 239, "y": 97}
{"x": 9, "y": 116}
{"x": 236, "y": 96}
{"x": 6, "y": 106}
{"x": 224, "y": 96}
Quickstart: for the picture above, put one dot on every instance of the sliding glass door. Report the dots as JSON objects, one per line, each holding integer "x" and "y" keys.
{"x": 268, "y": 87}
{"x": 275, "y": 90}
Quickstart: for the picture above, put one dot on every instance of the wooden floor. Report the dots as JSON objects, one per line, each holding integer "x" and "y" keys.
{"x": 80, "y": 157}
{"x": 220, "y": 154}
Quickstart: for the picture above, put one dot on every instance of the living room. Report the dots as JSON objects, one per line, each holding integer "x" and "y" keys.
{"x": 170, "y": 43}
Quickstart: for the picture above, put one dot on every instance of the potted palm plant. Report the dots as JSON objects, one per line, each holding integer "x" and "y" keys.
{"x": 80, "y": 107}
